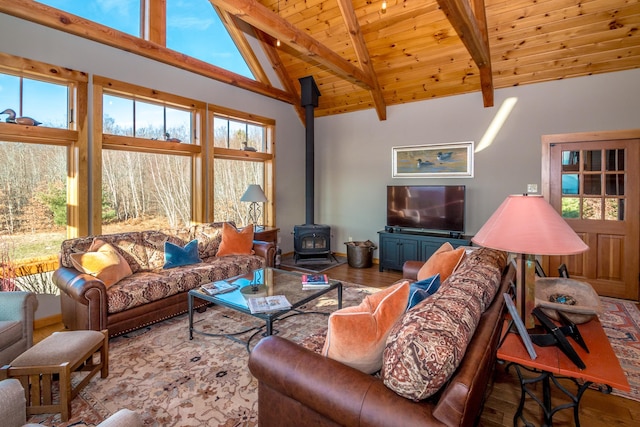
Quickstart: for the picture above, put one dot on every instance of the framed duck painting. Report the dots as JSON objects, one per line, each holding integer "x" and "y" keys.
{"x": 453, "y": 160}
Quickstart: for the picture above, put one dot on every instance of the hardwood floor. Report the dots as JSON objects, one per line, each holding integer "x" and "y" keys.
{"x": 596, "y": 409}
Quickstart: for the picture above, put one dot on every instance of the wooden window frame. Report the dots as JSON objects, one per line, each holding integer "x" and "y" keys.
{"x": 195, "y": 150}
{"x": 267, "y": 158}
{"x": 75, "y": 138}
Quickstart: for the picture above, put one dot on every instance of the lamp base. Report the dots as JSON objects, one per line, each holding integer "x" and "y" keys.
{"x": 525, "y": 288}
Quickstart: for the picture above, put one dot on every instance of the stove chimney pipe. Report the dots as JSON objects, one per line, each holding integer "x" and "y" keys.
{"x": 309, "y": 100}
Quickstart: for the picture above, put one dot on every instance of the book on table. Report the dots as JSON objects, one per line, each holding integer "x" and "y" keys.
{"x": 267, "y": 304}
{"x": 314, "y": 281}
{"x": 220, "y": 287}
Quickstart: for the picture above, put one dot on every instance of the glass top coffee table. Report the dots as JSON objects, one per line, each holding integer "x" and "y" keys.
{"x": 262, "y": 282}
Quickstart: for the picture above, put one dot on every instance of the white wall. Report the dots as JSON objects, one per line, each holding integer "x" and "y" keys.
{"x": 353, "y": 151}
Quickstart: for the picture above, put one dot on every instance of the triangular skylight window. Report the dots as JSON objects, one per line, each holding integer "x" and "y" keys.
{"x": 193, "y": 27}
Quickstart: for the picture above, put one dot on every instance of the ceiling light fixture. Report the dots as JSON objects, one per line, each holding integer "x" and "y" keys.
{"x": 278, "y": 40}
{"x": 384, "y": 6}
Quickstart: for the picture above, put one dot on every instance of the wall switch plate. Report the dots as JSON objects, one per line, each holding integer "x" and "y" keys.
{"x": 532, "y": 188}
{"x": 350, "y": 239}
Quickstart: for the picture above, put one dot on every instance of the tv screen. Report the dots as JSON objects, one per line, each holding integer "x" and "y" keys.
{"x": 426, "y": 207}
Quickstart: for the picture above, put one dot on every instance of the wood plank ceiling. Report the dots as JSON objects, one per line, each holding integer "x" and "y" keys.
{"x": 362, "y": 57}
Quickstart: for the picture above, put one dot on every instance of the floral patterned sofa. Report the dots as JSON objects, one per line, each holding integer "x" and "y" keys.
{"x": 151, "y": 293}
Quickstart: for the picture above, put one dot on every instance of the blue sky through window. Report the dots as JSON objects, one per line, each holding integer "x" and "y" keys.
{"x": 43, "y": 101}
{"x": 193, "y": 27}
{"x": 123, "y": 15}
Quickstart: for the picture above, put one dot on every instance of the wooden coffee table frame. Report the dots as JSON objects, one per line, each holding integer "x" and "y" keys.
{"x": 269, "y": 318}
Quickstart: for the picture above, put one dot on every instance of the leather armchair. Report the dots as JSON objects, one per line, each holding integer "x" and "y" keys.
{"x": 13, "y": 409}
{"x": 17, "y": 311}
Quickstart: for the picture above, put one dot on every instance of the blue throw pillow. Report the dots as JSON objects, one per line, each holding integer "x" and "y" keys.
{"x": 175, "y": 256}
{"x": 423, "y": 289}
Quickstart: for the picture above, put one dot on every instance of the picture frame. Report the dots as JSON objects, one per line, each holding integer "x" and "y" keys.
{"x": 452, "y": 160}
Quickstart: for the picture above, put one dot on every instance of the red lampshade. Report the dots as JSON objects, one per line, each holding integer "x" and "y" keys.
{"x": 527, "y": 224}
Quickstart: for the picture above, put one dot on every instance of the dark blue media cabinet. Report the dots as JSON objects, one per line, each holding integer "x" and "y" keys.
{"x": 396, "y": 247}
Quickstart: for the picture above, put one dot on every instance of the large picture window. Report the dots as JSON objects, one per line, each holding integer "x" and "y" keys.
{"x": 40, "y": 200}
{"x": 150, "y": 159}
{"x": 33, "y": 190}
{"x": 145, "y": 191}
{"x": 243, "y": 152}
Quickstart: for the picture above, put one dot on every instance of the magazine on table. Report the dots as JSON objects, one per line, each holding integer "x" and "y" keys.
{"x": 218, "y": 287}
{"x": 266, "y": 304}
{"x": 315, "y": 279}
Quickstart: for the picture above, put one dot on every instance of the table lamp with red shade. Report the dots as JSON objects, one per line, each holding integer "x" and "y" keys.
{"x": 527, "y": 225}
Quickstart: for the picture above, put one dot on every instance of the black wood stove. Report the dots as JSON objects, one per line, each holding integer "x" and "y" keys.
{"x": 310, "y": 240}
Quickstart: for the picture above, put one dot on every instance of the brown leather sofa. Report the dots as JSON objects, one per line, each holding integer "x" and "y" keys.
{"x": 300, "y": 387}
{"x": 151, "y": 294}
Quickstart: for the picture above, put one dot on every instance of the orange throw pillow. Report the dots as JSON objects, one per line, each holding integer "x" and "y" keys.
{"x": 444, "y": 261}
{"x": 357, "y": 335}
{"x": 103, "y": 262}
{"x": 236, "y": 242}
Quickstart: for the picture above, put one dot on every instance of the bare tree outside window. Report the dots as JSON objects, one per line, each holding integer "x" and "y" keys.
{"x": 145, "y": 191}
{"x": 232, "y": 177}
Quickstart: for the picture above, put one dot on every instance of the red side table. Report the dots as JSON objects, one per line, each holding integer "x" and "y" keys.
{"x": 602, "y": 367}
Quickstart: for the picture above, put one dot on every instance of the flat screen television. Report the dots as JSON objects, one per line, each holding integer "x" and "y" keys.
{"x": 438, "y": 208}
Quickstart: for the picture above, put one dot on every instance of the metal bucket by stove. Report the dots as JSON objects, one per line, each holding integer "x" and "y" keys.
{"x": 360, "y": 254}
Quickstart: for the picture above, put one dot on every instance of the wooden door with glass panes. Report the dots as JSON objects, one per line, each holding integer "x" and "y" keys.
{"x": 594, "y": 182}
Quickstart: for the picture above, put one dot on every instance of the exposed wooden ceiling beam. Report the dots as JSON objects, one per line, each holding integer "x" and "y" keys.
{"x": 486, "y": 75}
{"x": 466, "y": 24}
{"x": 359, "y": 45}
{"x": 51, "y": 17}
{"x": 262, "y": 18}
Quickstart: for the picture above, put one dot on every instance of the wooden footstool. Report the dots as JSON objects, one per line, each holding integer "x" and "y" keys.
{"x": 58, "y": 355}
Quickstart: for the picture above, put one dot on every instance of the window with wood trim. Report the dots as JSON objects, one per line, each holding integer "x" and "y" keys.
{"x": 42, "y": 195}
{"x": 243, "y": 155}
{"x": 151, "y": 158}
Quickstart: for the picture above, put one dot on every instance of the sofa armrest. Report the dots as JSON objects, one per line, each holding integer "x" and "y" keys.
{"x": 20, "y": 306}
{"x": 331, "y": 389}
{"x": 266, "y": 250}
{"x": 13, "y": 405}
{"x": 410, "y": 269}
{"x": 83, "y": 299}
{"x": 123, "y": 418}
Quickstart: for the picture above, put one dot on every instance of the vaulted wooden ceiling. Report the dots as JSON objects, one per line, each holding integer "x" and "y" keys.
{"x": 362, "y": 57}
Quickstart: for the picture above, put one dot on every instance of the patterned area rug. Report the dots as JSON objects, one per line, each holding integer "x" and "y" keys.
{"x": 171, "y": 380}
{"x": 159, "y": 373}
{"x": 621, "y": 322}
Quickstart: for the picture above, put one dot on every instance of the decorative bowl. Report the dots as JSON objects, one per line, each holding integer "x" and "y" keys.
{"x": 577, "y": 300}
